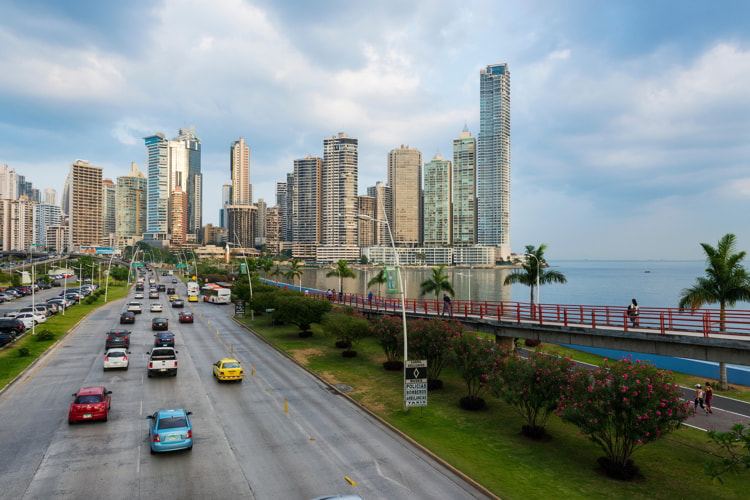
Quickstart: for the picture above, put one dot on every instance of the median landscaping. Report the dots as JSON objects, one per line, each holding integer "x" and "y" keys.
{"x": 488, "y": 445}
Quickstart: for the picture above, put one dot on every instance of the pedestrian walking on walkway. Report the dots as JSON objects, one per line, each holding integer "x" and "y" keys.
{"x": 707, "y": 397}
{"x": 447, "y": 306}
{"x": 698, "y": 399}
{"x": 634, "y": 312}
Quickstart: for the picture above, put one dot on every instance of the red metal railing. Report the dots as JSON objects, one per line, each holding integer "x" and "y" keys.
{"x": 705, "y": 322}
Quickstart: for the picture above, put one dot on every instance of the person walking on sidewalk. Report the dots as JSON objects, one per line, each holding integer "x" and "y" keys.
{"x": 698, "y": 399}
{"x": 707, "y": 397}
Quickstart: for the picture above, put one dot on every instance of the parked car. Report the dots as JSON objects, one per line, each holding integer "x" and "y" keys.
{"x": 12, "y": 325}
{"x": 90, "y": 403}
{"x": 178, "y": 303}
{"x": 6, "y": 338}
{"x": 116, "y": 357}
{"x": 127, "y": 317}
{"x": 186, "y": 317}
{"x": 117, "y": 338}
{"x": 164, "y": 339}
{"x": 40, "y": 308}
{"x": 170, "y": 430}
{"x": 56, "y": 283}
{"x": 134, "y": 307}
{"x": 156, "y": 307}
{"x": 228, "y": 369}
{"x": 30, "y": 319}
{"x": 159, "y": 324}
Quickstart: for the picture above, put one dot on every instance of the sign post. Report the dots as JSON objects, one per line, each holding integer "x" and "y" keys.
{"x": 239, "y": 308}
{"x": 415, "y": 382}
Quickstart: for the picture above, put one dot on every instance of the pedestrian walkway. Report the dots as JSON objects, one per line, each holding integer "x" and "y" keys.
{"x": 726, "y": 412}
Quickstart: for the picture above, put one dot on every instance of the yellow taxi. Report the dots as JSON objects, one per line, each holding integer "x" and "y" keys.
{"x": 193, "y": 298}
{"x": 173, "y": 297}
{"x": 228, "y": 369}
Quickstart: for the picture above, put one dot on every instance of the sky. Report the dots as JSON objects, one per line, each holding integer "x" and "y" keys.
{"x": 630, "y": 120}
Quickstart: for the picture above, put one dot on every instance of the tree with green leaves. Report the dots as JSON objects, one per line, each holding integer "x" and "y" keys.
{"x": 295, "y": 271}
{"x": 300, "y": 310}
{"x": 736, "y": 444}
{"x": 432, "y": 340}
{"x": 277, "y": 271}
{"x": 438, "y": 283}
{"x": 379, "y": 279}
{"x": 474, "y": 358}
{"x": 533, "y": 267}
{"x": 347, "y": 326}
{"x": 726, "y": 283}
{"x": 265, "y": 264}
{"x": 389, "y": 333}
{"x": 532, "y": 386}
{"x": 342, "y": 270}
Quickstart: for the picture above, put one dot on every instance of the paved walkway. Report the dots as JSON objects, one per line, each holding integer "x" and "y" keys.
{"x": 726, "y": 413}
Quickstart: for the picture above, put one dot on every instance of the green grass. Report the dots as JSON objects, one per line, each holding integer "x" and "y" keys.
{"x": 11, "y": 364}
{"x": 488, "y": 446}
{"x": 740, "y": 392}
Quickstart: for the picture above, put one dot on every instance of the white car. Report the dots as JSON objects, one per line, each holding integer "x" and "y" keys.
{"x": 117, "y": 357}
{"x": 138, "y": 295}
{"x": 31, "y": 319}
{"x": 135, "y": 307}
{"x": 156, "y": 307}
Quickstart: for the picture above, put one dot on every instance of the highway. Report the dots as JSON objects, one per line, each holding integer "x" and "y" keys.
{"x": 245, "y": 445}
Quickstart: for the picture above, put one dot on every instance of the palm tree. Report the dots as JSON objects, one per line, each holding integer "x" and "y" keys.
{"x": 266, "y": 265}
{"x": 277, "y": 271}
{"x": 726, "y": 282}
{"x": 342, "y": 270}
{"x": 438, "y": 283}
{"x": 295, "y": 270}
{"x": 528, "y": 275}
{"x": 379, "y": 279}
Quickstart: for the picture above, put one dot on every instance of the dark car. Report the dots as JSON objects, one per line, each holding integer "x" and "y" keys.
{"x": 178, "y": 303}
{"x": 161, "y": 287}
{"x": 171, "y": 290}
{"x": 186, "y": 317}
{"x": 139, "y": 287}
{"x": 127, "y": 317}
{"x": 6, "y": 338}
{"x": 159, "y": 324}
{"x": 12, "y": 325}
{"x": 117, "y": 338}
{"x": 164, "y": 339}
{"x": 56, "y": 283}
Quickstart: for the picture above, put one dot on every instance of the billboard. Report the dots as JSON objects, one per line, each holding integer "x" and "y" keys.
{"x": 98, "y": 250}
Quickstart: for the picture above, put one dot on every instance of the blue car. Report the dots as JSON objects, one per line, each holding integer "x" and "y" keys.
{"x": 170, "y": 430}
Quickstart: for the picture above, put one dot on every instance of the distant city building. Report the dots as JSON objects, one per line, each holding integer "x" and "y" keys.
{"x": 281, "y": 202}
{"x": 179, "y": 215}
{"x": 8, "y": 183}
{"x": 383, "y": 209}
{"x": 214, "y": 235}
{"x": 405, "y": 180}
{"x": 339, "y": 191}
{"x": 307, "y": 200}
{"x": 273, "y": 229}
{"x": 157, "y": 168}
{"x": 431, "y": 256}
{"x": 367, "y": 226}
{"x": 239, "y": 158}
{"x": 289, "y": 210}
{"x": 109, "y": 211}
{"x": 131, "y": 206}
{"x": 45, "y": 215}
{"x": 493, "y": 166}
{"x": 226, "y": 200}
{"x": 50, "y": 197}
{"x": 85, "y": 185}
{"x": 464, "y": 189}
{"x": 25, "y": 188}
{"x": 56, "y": 238}
{"x": 194, "y": 187}
{"x": 17, "y": 220}
{"x": 242, "y": 219}
{"x": 260, "y": 227}
{"x": 437, "y": 202}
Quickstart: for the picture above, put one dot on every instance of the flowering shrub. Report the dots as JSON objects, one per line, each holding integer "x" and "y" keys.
{"x": 474, "y": 358}
{"x": 346, "y": 325}
{"x": 622, "y": 406}
{"x": 431, "y": 339}
{"x": 389, "y": 332}
{"x": 532, "y": 386}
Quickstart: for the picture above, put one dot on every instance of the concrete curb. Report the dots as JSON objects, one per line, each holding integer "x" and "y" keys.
{"x": 46, "y": 351}
{"x": 377, "y": 417}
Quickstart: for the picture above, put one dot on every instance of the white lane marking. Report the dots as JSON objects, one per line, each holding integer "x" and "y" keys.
{"x": 138, "y": 462}
{"x": 140, "y": 412}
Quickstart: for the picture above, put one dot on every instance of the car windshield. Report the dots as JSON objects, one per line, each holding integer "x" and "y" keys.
{"x": 116, "y": 354}
{"x": 172, "y": 422}
{"x": 231, "y": 364}
{"x": 89, "y": 399}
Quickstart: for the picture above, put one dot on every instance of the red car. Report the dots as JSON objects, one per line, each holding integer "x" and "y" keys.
{"x": 90, "y": 403}
{"x": 186, "y": 317}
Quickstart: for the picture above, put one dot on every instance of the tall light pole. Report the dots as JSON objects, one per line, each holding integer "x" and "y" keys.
{"x": 402, "y": 285}
{"x": 106, "y": 287}
{"x": 538, "y": 270}
{"x": 247, "y": 269}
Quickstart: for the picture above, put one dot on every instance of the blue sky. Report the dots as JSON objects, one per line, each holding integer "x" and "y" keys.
{"x": 630, "y": 119}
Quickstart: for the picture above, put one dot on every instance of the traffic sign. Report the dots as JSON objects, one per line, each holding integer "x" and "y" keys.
{"x": 415, "y": 382}
{"x": 239, "y": 308}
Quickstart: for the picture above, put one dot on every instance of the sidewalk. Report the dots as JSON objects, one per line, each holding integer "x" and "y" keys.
{"x": 726, "y": 413}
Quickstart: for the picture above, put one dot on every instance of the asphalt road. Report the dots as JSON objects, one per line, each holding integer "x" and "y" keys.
{"x": 245, "y": 444}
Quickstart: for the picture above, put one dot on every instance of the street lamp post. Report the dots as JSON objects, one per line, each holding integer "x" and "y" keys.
{"x": 106, "y": 287}
{"x": 247, "y": 270}
{"x": 402, "y": 285}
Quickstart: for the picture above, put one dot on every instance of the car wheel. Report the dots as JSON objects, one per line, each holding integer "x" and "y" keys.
{"x": 152, "y": 451}
{"x": 105, "y": 418}
{"x": 149, "y": 374}
{"x": 190, "y": 448}
{"x": 70, "y": 422}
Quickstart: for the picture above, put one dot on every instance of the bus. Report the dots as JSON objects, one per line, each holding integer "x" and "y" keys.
{"x": 192, "y": 291}
{"x": 216, "y": 294}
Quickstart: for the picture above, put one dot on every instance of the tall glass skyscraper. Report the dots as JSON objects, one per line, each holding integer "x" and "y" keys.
{"x": 464, "y": 189}
{"x": 339, "y": 191}
{"x": 157, "y": 159}
{"x": 437, "y": 202}
{"x": 493, "y": 168}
